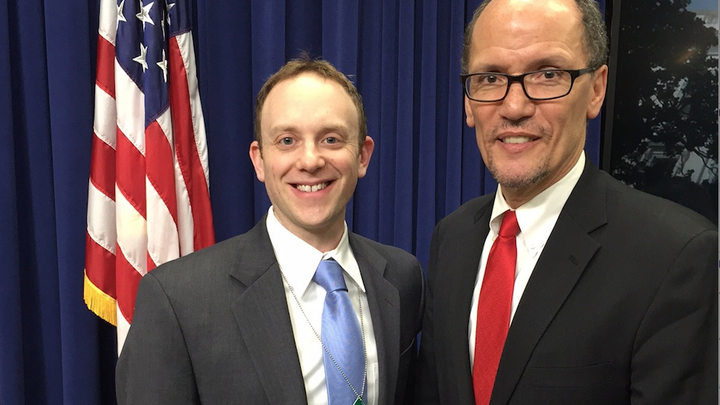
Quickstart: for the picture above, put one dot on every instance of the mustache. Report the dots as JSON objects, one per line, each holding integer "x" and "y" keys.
{"x": 520, "y": 126}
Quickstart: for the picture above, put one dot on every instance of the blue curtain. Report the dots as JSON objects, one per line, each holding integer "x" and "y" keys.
{"x": 403, "y": 56}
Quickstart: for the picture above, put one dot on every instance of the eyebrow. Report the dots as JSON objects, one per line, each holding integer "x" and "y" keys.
{"x": 544, "y": 61}
{"x": 283, "y": 128}
{"x": 294, "y": 129}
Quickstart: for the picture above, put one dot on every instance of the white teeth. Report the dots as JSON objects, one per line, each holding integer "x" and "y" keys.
{"x": 516, "y": 139}
{"x": 311, "y": 189}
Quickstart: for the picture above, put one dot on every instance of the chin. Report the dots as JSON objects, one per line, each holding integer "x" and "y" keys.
{"x": 516, "y": 180}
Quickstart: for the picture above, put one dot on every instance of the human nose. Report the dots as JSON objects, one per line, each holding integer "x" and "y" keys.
{"x": 311, "y": 157}
{"x": 516, "y": 104}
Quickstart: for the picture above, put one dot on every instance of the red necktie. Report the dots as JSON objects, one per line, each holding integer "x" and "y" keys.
{"x": 494, "y": 305}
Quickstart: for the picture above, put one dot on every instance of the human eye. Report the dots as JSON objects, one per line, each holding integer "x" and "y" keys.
{"x": 548, "y": 76}
{"x": 333, "y": 139}
{"x": 286, "y": 141}
{"x": 488, "y": 79}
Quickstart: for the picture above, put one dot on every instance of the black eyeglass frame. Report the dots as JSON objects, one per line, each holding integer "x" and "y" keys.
{"x": 574, "y": 74}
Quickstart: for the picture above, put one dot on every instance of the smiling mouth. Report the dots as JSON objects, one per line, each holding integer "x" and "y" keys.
{"x": 311, "y": 189}
{"x": 516, "y": 139}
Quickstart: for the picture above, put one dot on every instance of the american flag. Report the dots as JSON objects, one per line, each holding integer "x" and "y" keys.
{"x": 148, "y": 199}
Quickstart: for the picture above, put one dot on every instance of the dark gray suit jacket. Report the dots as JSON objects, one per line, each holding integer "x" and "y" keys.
{"x": 621, "y": 307}
{"x": 213, "y": 327}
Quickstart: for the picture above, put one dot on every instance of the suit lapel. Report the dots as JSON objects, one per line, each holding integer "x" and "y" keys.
{"x": 456, "y": 281}
{"x": 567, "y": 253}
{"x": 262, "y": 315}
{"x": 384, "y": 302}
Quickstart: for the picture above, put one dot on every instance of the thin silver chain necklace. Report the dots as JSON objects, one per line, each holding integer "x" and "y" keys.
{"x": 332, "y": 358}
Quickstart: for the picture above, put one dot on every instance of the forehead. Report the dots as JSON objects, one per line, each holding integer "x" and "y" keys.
{"x": 308, "y": 97}
{"x": 527, "y": 34}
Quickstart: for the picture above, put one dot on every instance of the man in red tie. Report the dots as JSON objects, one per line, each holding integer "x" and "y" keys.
{"x": 565, "y": 286}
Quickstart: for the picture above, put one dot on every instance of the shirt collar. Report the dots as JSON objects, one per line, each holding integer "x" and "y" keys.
{"x": 537, "y": 217}
{"x": 298, "y": 260}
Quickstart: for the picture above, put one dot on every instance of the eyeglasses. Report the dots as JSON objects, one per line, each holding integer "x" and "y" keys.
{"x": 547, "y": 84}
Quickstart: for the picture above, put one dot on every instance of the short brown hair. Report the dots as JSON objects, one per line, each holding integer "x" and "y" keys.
{"x": 595, "y": 40}
{"x": 323, "y": 68}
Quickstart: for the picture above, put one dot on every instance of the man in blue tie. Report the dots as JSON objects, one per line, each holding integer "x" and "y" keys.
{"x": 297, "y": 310}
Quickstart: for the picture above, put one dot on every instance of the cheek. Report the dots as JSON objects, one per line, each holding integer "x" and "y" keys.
{"x": 568, "y": 132}
{"x": 273, "y": 175}
{"x": 576, "y": 122}
{"x": 484, "y": 125}
{"x": 281, "y": 164}
{"x": 559, "y": 120}
{"x": 484, "y": 117}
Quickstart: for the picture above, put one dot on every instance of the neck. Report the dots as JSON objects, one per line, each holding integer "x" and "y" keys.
{"x": 324, "y": 240}
{"x": 517, "y": 196}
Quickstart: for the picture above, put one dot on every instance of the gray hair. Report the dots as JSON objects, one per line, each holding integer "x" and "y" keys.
{"x": 595, "y": 41}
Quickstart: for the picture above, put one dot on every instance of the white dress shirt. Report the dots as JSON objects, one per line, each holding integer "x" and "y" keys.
{"x": 298, "y": 262}
{"x": 537, "y": 219}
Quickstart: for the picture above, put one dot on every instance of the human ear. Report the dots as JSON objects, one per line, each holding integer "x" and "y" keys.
{"x": 365, "y": 153}
{"x": 257, "y": 160}
{"x": 597, "y": 95}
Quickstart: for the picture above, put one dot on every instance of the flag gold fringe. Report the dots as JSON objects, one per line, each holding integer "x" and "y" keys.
{"x": 100, "y": 303}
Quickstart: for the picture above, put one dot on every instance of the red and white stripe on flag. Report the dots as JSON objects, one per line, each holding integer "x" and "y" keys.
{"x": 148, "y": 199}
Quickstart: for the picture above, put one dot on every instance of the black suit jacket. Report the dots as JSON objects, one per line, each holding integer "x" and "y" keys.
{"x": 213, "y": 327}
{"x": 621, "y": 307}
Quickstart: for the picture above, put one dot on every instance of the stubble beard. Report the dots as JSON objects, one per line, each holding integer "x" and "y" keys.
{"x": 520, "y": 181}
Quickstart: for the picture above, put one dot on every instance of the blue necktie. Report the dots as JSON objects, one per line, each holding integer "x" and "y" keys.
{"x": 341, "y": 336}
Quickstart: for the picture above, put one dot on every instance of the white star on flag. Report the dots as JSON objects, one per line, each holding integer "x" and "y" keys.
{"x": 163, "y": 66}
{"x": 168, "y": 7}
{"x": 141, "y": 59}
{"x": 120, "y": 15}
{"x": 144, "y": 15}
